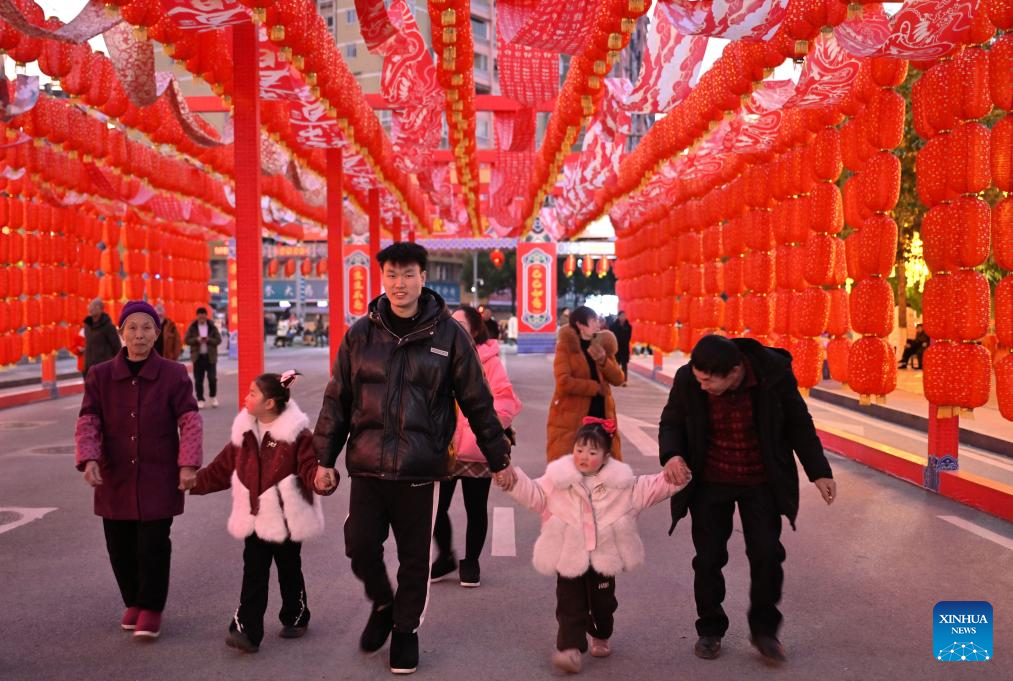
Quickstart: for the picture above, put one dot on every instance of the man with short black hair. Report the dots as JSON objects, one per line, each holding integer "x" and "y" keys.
{"x": 203, "y": 337}
{"x": 733, "y": 417}
{"x": 398, "y": 374}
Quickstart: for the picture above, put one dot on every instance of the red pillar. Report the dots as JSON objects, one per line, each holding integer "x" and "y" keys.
{"x": 48, "y": 366}
{"x": 411, "y": 234}
{"x": 944, "y": 444}
{"x": 395, "y": 229}
{"x": 374, "y": 240}
{"x": 335, "y": 248}
{"x": 249, "y": 251}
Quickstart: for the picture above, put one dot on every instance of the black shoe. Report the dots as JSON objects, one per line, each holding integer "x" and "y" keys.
{"x": 442, "y": 566}
{"x": 240, "y": 641}
{"x": 289, "y": 631}
{"x": 770, "y": 648}
{"x": 471, "y": 576}
{"x": 708, "y": 647}
{"x": 404, "y": 653}
{"x": 381, "y": 621}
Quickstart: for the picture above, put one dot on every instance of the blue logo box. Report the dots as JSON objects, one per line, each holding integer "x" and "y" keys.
{"x": 962, "y": 631}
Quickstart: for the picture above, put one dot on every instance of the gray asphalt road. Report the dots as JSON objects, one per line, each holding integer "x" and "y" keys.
{"x": 862, "y": 576}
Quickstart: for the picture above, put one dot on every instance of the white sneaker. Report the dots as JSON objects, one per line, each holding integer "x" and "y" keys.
{"x": 200, "y": 404}
{"x": 214, "y": 402}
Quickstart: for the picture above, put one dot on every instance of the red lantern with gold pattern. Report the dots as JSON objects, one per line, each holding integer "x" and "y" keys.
{"x": 812, "y": 314}
{"x": 957, "y": 374}
{"x": 838, "y": 350}
{"x": 807, "y": 362}
{"x": 871, "y": 307}
{"x": 1004, "y": 311}
{"x": 1002, "y": 233}
{"x": 1001, "y": 151}
{"x": 758, "y": 314}
{"x": 872, "y": 367}
{"x": 968, "y": 168}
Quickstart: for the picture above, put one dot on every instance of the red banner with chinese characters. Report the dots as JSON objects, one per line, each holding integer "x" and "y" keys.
{"x": 536, "y": 271}
{"x": 356, "y": 272}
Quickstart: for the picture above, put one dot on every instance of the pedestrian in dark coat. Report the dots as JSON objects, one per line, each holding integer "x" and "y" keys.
{"x": 399, "y": 372}
{"x": 623, "y": 331}
{"x": 101, "y": 342}
{"x": 203, "y": 338}
{"x": 169, "y": 343}
{"x": 734, "y": 416}
{"x": 139, "y": 442}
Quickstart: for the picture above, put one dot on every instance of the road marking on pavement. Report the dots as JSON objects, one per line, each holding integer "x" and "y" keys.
{"x": 974, "y": 528}
{"x": 27, "y": 516}
{"x": 633, "y": 430}
{"x": 504, "y": 538}
{"x": 654, "y": 384}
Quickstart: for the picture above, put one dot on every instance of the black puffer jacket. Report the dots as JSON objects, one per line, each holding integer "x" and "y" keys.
{"x": 782, "y": 419}
{"x": 393, "y": 398}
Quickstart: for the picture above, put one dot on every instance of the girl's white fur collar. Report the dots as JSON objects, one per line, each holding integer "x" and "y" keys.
{"x": 285, "y": 428}
{"x": 563, "y": 474}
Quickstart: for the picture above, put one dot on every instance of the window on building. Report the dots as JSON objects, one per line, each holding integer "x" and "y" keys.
{"x": 482, "y": 63}
{"x": 351, "y": 17}
{"x": 351, "y": 51}
{"x": 330, "y": 22}
{"x": 479, "y": 29}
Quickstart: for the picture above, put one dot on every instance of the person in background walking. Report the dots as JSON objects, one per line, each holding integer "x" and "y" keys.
{"x": 585, "y": 366}
{"x": 270, "y": 465}
{"x": 203, "y": 338}
{"x": 469, "y": 466}
{"x": 733, "y": 417}
{"x": 138, "y": 443}
{"x": 391, "y": 397}
{"x": 169, "y": 343}
{"x": 623, "y": 331}
{"x": 101, "y": 341}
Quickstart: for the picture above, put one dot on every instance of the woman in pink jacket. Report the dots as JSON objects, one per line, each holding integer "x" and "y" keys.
{"x": 589, "y": 503}
{"x": 469, "y": 466}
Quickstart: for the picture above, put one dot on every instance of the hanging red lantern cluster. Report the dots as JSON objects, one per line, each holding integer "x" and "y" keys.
{"x": 953, "y": 167}
{"x": 570, "y": 265}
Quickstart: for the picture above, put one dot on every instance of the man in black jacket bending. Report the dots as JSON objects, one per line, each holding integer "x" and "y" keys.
{"x": 733, "y": 418}
{"x": 392, "y": 396}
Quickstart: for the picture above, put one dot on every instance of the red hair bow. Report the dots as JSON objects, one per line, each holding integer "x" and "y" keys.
{"x": 608, "y": 424}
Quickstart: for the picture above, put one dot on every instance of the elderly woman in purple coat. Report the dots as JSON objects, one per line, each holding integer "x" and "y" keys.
{"x": 139, "y": 444}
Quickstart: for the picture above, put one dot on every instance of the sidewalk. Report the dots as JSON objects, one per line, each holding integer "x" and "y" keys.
{"x": 906, "y": 406}
{"x": 893, "y": 438}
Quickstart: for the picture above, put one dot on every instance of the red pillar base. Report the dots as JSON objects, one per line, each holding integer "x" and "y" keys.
{"x": 944, "y": 446}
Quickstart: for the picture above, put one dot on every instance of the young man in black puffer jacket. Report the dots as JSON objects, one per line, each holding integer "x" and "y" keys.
{"x": 392, "y": 396}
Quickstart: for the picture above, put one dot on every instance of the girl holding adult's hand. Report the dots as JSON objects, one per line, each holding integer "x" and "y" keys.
{"x": 138, "y": 444}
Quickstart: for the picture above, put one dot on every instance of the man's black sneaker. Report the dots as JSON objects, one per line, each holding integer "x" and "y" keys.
{"x": 471, "y": 576}
{"x": 381, "y": 621}
{"x": 240, "y": 641}
{"x": 770, "y": 648}
{"x": 288, "y": 631}
{"x": 404, "y": 652}
{"x": 708, "y": 647}
{"x": 442, "y": 566}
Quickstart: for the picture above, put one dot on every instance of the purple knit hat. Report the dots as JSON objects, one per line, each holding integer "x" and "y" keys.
{"x": 139, "y": 306}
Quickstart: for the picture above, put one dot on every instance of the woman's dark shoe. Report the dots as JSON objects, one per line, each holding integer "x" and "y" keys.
{"x": 442, "y": 566}
{"x": 708, "y": 647}
{"x": 378, "y": 628}
{"x": 471, "y": 575}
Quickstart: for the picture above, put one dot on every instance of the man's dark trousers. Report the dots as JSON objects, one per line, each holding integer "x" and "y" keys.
{"x": 711, "y": 511}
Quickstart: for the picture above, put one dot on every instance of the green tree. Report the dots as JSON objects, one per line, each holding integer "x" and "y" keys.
{"x": 491, "y": 279}
{"x": 583, "y": 286}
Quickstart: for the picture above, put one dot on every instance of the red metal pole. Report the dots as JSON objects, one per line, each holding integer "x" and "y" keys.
{"x": 335, "y": 248}
{"x": 374, "y": 241}
{"x": 944, "y": 444}
{"x": 411, "y": 234}
{"x": 395, "y": 229}
{"x": 249, "y": 248}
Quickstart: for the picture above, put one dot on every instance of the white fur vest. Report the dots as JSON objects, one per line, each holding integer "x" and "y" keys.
{"x": 284, "y": 512}
{"x": 596, "y": 528}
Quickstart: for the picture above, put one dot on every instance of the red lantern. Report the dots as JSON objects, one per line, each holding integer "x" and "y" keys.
{"x": 1002, "y": 233}
{"x": 306, "y": 267}
{"x": 807, "y": 362}
{"x": 812, "y": 313}
{"x": 496, "y": 257}
{"x": 1004, "y": 386}
{"x": 290, "y": 267}
{"x": 587, "y": 266}
{"x": 838, "y": 350}
{"x": 872, "y": 307}
{"x": 872, "y": 367}
{"x": 957, "y": 374}
{"x": 1001, "y": 150}
{"x": 570, "y": 265}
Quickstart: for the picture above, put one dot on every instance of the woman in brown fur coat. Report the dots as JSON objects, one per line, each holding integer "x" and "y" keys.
{"x": 583, "y": 372}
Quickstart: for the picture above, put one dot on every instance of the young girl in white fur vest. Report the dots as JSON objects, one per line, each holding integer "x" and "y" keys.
{"x": 589, "y": 503}
{"x": 269, "y": 463}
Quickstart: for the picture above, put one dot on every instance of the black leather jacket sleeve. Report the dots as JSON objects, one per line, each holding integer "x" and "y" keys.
{"x": 475, "y": 399}
{"x": 334, "y": 421}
